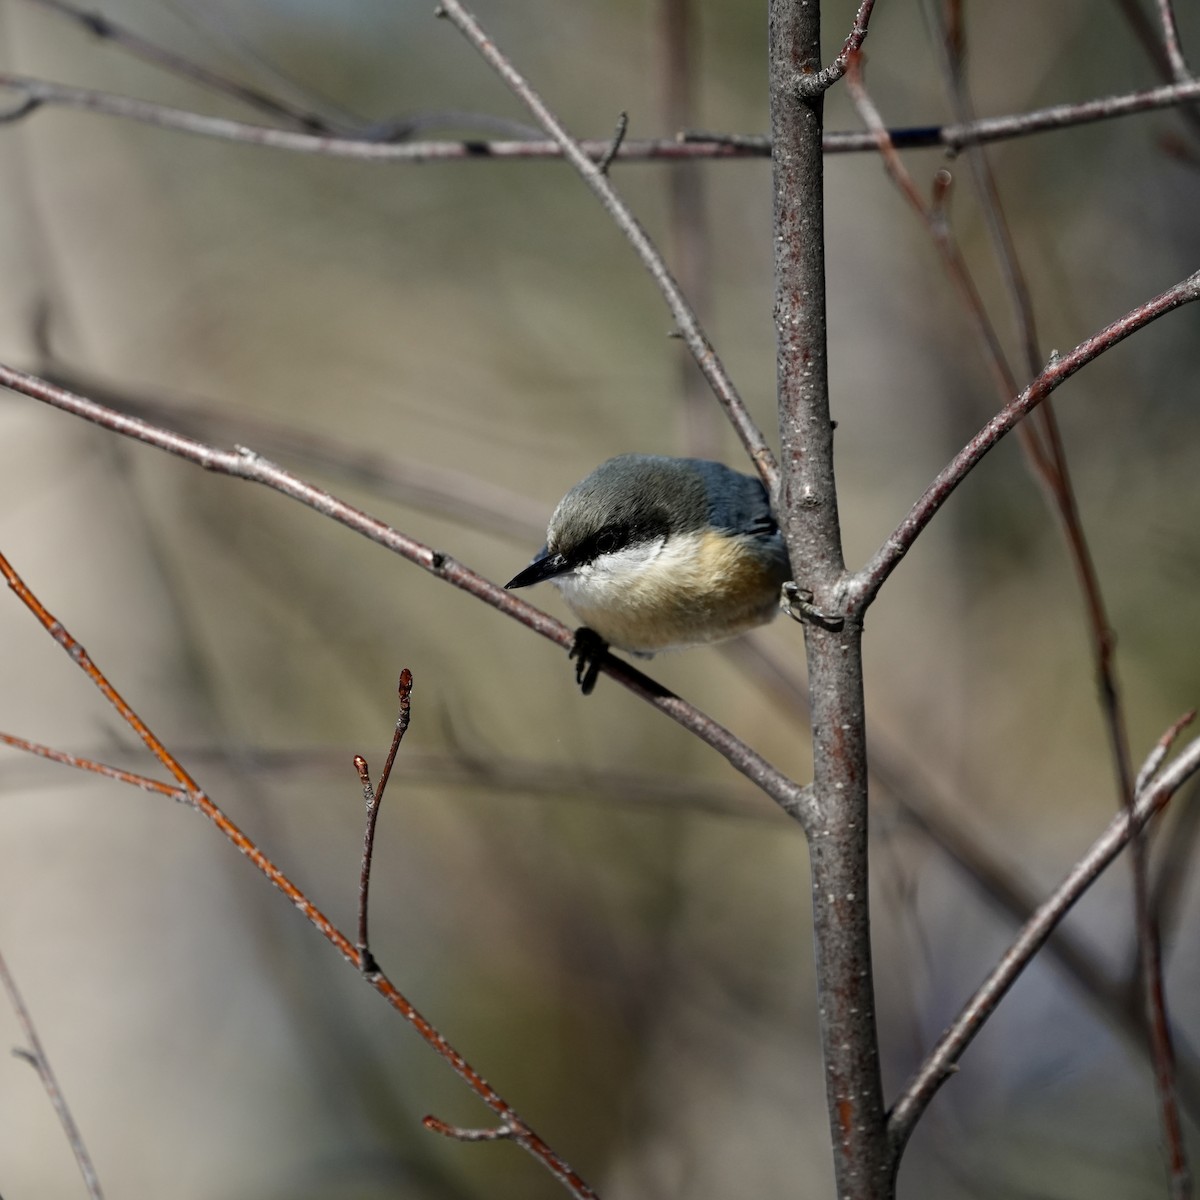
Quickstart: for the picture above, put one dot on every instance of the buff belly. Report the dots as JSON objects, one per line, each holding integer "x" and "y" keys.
{"x": 687, "y": 591}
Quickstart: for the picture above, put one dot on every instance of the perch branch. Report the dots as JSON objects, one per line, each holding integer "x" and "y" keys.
{"x": 244, "y": 464}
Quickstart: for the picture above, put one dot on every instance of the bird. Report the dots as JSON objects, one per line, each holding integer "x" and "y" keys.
{"x": 657, "y": 553}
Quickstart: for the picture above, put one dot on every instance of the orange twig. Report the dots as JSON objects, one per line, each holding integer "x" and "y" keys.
{"x": 522, "y": 1133}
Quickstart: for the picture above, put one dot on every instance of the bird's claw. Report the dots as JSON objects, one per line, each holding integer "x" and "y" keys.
{"x": 797, "y": 602}
{"x": 588, "y": 650}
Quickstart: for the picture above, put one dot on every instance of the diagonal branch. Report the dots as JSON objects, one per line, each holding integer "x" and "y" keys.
{"x": 940, "y": 1064}
{"x": 598, "y": 183}
{"x": 865, "y": 584}
{"x": 810, "y": 85}
{"x": 1171, "y": 42}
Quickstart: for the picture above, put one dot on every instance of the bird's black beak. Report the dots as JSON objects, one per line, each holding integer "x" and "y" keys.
{"x": 545, "y": 566}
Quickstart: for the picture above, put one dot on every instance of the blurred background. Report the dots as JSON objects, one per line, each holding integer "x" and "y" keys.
{"x": 606, "y": 919}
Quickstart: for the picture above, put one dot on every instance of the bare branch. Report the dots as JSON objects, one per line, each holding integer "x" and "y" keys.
{"x": 865, "y": 584}
{"x": 600, "y": 186}
{"x": 36, "y": 1057}
{"x": 941, "y": 1062}
{"x": 244, "y": 464}
{"x": 689, "y": 145}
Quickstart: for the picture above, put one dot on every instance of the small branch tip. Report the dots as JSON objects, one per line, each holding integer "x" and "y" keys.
{"x": 618, "y": 137}
{"x": 497, "y": 1134}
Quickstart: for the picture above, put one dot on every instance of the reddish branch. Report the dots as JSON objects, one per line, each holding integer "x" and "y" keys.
{"x": 189, "y": 790}
{"x": 373, "y": 797}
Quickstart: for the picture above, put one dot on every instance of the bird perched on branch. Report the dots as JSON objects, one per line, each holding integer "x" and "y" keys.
{"x": 655, "y": 553}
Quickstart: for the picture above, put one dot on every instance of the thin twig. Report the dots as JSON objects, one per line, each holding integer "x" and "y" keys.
{"x": 1162, "y": 748}
{"x": 618, "y": 137}
{"x": 189, "y": 790}
{"x": 373, "y": 796}
{"x": 863, "y": 586}
{"x": 97, "y": 768}
{"x": 601, "y": 187}
{"x": 246, "y": 465}
{"x": 940, "y": 1064}
{"x": 36, "y": 1057}
{"x": 1171, "y": 42}
{"x": 403, "y": 717}
{"x": 366, "y": 959}
{"x": 809, "y": 86}
{"x": 499, "y": 1133}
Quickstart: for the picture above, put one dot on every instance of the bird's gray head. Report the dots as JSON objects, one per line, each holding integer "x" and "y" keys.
{"x": 630, "y": 501}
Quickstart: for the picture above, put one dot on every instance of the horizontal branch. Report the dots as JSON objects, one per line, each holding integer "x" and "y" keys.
{"x": 862, "y": 587}
{"x": 245, "y": 464}
{"x": 1032, "y": 936}
{"x": 688, "y": 145}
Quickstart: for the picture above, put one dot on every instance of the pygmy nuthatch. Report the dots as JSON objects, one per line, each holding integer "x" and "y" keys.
{"x": 655, "y": 553}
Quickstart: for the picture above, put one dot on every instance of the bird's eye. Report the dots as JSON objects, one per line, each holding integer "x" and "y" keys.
{"x": 607, "y": 542}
